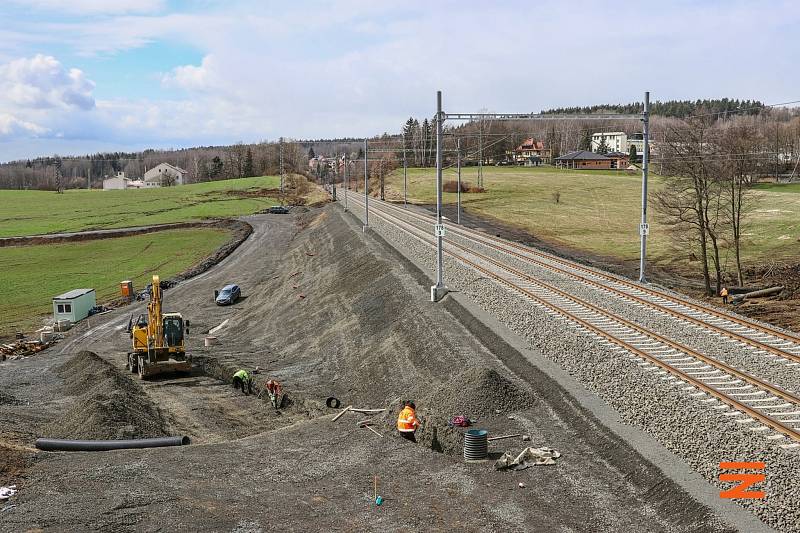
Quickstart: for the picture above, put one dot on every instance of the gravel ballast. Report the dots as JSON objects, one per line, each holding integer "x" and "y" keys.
{"x": 687, "y": 425}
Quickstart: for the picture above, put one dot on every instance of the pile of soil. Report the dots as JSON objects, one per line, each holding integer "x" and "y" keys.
{"x": 13, "y": 463}
{"x": 483, "y": 394}
{"x": 479, "y": 393}
{"x": 106, "y": 404}
{"x": 251, "y": 193}
{"x": 240, "y": 231}
{"x": 8, "y": 399}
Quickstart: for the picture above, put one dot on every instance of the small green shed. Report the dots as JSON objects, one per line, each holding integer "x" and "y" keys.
{"x": 74, "y": 305}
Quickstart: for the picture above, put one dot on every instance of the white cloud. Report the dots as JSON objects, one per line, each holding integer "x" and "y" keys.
{"x": 352, "y": 68}
{"x": 191, "y": 77}
{"x": 12, "y": 127}
{"x": 39, "y": 97}
{"x": 41, "y": 82}
{"x": 93, "y": 7}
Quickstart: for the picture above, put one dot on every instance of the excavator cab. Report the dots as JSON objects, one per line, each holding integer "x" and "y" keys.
{"x": 173, "y": 330}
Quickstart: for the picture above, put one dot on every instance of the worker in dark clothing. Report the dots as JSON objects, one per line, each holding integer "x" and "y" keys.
{"x": 724, "y": 294}
{"x": 407, "y": 422}
{"x": 243, "y": 380}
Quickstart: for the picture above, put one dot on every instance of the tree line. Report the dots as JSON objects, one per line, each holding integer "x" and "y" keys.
{"x": 205, "y": 163}
{"x": 725, "y": 107}
{"x": 709, "y": 167}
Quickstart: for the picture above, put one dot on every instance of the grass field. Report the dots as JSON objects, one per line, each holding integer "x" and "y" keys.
{"x": 37, "y": 212}
{"x": 599, "y": 211}
{"x": 31, "y": 275}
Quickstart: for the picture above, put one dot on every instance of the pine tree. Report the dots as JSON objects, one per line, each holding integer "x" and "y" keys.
{"x": 586, "y": 141}
{"x": 311, "y": 154}
{"x": 408, "y": 132}
{"x": 425, "y": 132}
{"x": 248, "y": 169}
{"x": 632, "y": 155}
{"x": 602, "y": 148}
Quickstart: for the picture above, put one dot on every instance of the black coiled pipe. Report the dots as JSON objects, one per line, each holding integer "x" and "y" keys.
{"x": 64, "y": 445}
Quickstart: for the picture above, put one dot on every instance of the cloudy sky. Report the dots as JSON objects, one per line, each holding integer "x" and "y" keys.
{"x": 85, "y": 75}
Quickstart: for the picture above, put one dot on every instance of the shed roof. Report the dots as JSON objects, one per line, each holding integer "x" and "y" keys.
{"x": 71, "y": 295}
{"x": 607, "y": 133}
{"x": 580, "y": 154}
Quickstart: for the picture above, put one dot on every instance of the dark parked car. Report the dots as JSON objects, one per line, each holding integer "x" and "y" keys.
{"x": 279, "y": 210}
{"x": 228, "y": 295}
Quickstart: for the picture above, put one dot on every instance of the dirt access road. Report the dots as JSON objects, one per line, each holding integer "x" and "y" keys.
{"x": 328, "y": 310}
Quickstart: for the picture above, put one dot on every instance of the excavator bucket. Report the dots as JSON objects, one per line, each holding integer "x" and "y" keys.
{"x": 164, "y": 367}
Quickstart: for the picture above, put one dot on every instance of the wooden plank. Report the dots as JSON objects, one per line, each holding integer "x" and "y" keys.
{"x": 505, "y": 436}
{"x": 337, "y": 417}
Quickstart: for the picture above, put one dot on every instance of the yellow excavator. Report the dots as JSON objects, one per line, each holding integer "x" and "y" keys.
{"x": 158, "y": 339}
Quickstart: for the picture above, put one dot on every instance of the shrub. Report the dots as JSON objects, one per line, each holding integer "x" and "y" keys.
{"x": 452, "y": 186}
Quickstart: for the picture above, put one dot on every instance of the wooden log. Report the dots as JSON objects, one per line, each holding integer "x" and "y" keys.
{"x": 367, "y": 410}
{"x": 337, "y": 417}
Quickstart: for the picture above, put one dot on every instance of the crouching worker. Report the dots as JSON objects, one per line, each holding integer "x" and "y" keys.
{"x": 407, "y": 422}
{"x": 243, "y": 380}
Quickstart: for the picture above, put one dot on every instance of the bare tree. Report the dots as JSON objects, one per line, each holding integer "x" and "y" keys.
{"x": 691, "y": 200}
{"x": 740, "y": 142}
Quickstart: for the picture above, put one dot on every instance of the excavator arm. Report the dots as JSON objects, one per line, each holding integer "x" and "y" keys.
{"x": 155, "y": 319}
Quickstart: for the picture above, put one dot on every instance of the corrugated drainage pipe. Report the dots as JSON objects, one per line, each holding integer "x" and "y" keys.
{"x": 62, "y": 445}
{"x": 476, "y": 445}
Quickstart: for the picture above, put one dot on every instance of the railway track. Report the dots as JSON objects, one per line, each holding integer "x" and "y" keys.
{"x": 767, "y": 408}
{"x": 766, "y": 340}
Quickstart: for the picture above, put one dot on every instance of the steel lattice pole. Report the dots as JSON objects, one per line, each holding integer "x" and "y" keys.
{"x": 643, "y": 229}
{"x": 439, "y": 237}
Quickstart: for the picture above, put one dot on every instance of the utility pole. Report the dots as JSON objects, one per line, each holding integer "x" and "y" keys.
{"x": 480, "y": 153}
{"x": 366, "y": 187}
{"x": 439, "y": 290}
{"x": 643, "y": 227}
{"x": 58, "y": 175}
{"x": 405, "y": 175}
{"x": 335, "y": 175}
{"x": 346, "y": 182}
{"x": 380, "y": 173}
{"x": 458, "y": 194}
{"x": 280, "y": 157}
{"x": 89, "y": 179}
{"x": 777, "y": 178}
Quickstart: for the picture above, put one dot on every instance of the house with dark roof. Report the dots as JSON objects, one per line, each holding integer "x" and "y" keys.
{"x": 619, "y": 160}
{"x": 583, "y": 159}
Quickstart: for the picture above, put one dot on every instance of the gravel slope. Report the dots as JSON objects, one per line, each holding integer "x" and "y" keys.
{"x": 688, "y": 425}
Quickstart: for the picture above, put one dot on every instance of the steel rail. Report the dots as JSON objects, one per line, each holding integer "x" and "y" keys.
{"x": 527, "y": 252}
{"x": 622, "y": 294}
{"x": 767, "y": 420}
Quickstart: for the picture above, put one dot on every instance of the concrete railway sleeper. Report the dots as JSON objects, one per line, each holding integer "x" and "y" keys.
{"x": 636, "y": 340}
{"x": 758, "y": 336}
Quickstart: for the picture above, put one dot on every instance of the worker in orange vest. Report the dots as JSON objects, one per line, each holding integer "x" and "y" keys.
{"x": 407, "y": 422}
{"x": 724, "y": 294}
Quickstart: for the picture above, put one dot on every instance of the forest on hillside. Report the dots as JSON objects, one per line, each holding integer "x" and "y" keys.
{"x": 671, "y": 108}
